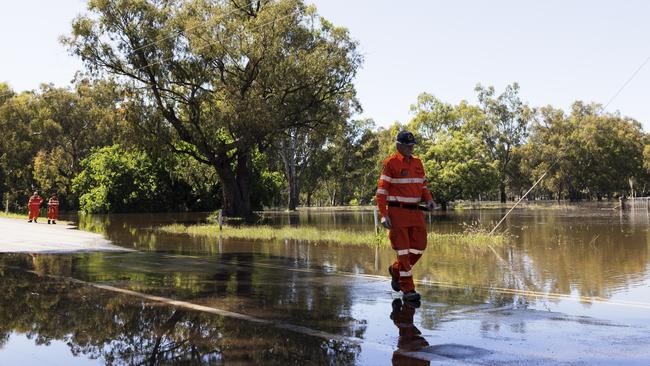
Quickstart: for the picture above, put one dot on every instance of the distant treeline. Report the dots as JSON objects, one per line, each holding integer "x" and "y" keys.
{"x": 254, "y": 109}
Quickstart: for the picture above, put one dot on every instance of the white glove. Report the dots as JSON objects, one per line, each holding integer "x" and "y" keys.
{"x": 386, "y": 222}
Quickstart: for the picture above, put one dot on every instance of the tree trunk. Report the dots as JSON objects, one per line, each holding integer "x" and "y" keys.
{"x": 243, "y": 172}
{"x": 295, "y": 194}
{"x": 2, "y": 180}
{"x": 574, "y": 195}
{"x": 502, "y": 192}
{"x": 292, "y": 180}
{"x": 235, "y": 187}
{"x": 288, "y": 153}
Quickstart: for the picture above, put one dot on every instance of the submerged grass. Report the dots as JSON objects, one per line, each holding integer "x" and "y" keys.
{"x": 473, "y": 237}
{"x": 525, "y": 205}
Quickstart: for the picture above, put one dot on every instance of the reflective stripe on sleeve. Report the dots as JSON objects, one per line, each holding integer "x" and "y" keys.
{"x": 402, "y": 252}
{"x": 386, "y": 178}
{"x": 416, "y": 251}
{"x": 406, "y": 180}
{"x": 382, "y": 191}
{"x": 405, "y": 274}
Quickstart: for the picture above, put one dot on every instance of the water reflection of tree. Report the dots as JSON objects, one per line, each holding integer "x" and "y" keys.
{"x": 553, "y": 252}
{"x": 231, "y": 280}
{"x": 124, "y": 331}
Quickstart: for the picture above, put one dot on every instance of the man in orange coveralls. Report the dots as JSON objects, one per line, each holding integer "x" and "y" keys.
{"x": 34, "y": 206}
{"x": 402, "y": 185}
{"x": 53, "y": 209}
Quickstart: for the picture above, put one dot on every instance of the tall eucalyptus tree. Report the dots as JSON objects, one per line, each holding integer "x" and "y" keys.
{"x": 227, "y": 78}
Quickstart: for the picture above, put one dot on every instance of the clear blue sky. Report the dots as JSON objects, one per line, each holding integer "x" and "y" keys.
{"x": 558, "y": 51}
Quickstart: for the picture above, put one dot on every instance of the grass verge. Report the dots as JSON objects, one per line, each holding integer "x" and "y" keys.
{"x": 311, "y": 234}
{"x": 11, "y": 215}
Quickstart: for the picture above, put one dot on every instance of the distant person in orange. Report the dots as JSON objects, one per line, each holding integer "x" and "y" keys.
{"x": 53, "y": 209}
{"x": 34, "y": 206}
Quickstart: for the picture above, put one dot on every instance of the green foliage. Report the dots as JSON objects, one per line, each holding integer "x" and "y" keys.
{"x": 49, "y": 132}
{"x": 18, "y": 146}
{"x": 646, "y": 159}
{"x": 595, "y": 154}
{"x": 457, "y": 163}
{"x": 348, "y": 166}
{"x": 457, "y": 167}
{"x": 115, "y": 180}
{"x": 48, "y": 175}
{"x": 268, "y": 185}
{"x": 504, "y": 128}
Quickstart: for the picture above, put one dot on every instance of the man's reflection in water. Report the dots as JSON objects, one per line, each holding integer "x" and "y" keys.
{"x": 410, "y": 337}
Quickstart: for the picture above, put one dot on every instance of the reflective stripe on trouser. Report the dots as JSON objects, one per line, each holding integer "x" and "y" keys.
{"x": 33, "y": 213}
{"x": 409, "y": 243}
{"x": 52, "y": 213}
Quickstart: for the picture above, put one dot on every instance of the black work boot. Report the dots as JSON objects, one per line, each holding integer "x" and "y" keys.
{"x": 48, "y": 221}
{"x": 397, "y": 307}
{"x": 29, "y": 220}
{"x": 53, "y": 222}
{"x": 36, "y": 222}
{"x": 394, "y": 282}
{"x": 413, "y": 304}
{"x": 411, "y": 296}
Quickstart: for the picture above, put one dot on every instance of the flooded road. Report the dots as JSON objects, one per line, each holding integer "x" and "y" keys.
{"x": 572, "y": 288}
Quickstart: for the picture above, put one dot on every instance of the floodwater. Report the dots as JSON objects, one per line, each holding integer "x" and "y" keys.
{"x": 571, "y": 288}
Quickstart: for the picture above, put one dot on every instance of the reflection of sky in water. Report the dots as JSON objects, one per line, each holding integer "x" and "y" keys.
{"x": 21, "y": 350}
{"x": 615, "y": 308}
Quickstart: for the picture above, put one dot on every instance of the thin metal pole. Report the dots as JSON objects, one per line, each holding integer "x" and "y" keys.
{"x": 374, "y": 214}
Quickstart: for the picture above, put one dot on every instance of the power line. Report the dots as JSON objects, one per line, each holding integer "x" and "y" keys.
{"x": 627, "y": 82}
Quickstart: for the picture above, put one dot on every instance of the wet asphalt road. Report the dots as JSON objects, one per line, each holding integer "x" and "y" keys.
{"x": 281, "y": 311}
{"x": 21, "y": 236}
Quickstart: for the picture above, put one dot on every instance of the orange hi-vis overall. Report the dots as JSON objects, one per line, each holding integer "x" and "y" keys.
{"x": 53, "y": 208}
{"x": 34, "y": 206}
{"x": 402, "y": 185}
